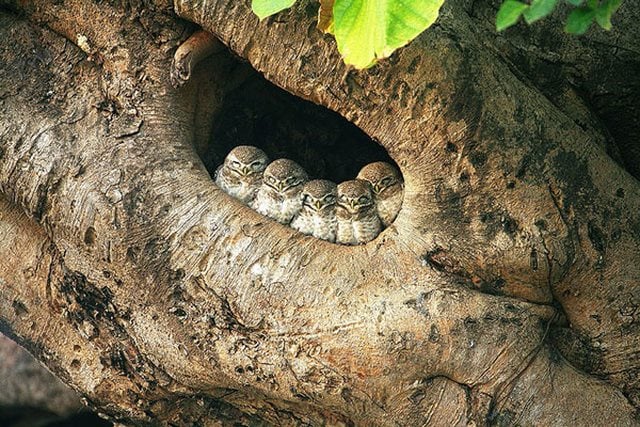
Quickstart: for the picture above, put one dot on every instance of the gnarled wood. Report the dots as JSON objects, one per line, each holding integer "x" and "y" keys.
{"x": 173, "y": 303}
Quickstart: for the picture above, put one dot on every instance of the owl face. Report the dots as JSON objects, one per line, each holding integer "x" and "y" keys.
{"x": 385, "y": 179}
{"x": 319, "y": 195}
{"x": 246, "y": 160}
{"x": 355, "y": 196}
{"x": 284, "y": 176}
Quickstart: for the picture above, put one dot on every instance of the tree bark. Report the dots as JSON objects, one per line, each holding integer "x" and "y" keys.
{"x": 505, "y": 293}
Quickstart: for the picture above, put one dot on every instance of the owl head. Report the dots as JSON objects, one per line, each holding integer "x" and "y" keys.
{"x": 319, "y": 195}
{"x": 285, "y": 176}
{"x": 385, "y": 179}
{"x": 355, "y": 196}
{"x": 246, "y": 160}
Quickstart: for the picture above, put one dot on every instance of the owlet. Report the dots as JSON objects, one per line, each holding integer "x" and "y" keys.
{"x": 358, "y": 221}
{"x": 241, "y": 173}
{"x": 388, "y": 189}
{"x": 318, "y": 214}
{"x": 279, "y": 196}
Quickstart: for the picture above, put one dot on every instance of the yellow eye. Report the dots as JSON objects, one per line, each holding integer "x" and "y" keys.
{"x": 235, "y": 164}
{"x": 271, "y": 180}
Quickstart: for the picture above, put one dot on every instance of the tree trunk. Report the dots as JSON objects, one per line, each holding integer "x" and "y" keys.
{"x": 505, "y": 293}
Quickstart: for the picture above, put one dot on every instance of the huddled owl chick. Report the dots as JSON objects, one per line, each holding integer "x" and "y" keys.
{"x": 279, "y": 196}
{"x": 241, "y": 173}
{"x": 358, "y": 221}
{"x": 388, "y": 189}
{"x": 318, "y": 214}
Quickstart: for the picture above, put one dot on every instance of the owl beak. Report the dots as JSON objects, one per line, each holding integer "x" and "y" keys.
{"x": 376, "y": 188}
{"x": 318, "y": 205}
{"x": 246, "y": 170}
{"x": 281, "y": 186}
{"x": 352, "y": 203}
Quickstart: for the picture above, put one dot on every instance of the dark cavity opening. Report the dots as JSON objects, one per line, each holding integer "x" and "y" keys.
{"x": 259, "y": 113}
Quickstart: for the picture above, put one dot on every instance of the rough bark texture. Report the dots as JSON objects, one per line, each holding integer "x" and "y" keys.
{"x": 506, "y": 292}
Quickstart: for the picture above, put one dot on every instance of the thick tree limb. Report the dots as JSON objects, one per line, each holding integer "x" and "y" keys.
{"x": 446, "y": 102}
{"x": 174, "y": 301}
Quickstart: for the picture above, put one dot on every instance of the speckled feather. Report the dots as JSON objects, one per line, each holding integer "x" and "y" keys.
{"x": 388, "y": 197}
{"x": 360, "y": 224}
{"x": 244, "y": 189}
{"x": 232, "y": 182}
{"x": 280, "y": 204}
{"x": 318, "y": 221}
{"x": 388, "y": 206}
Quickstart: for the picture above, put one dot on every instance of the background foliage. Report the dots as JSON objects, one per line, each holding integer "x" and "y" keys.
{"x": 368, "y": 30}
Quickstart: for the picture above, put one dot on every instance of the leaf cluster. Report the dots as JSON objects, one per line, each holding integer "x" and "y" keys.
{"x": 582, "y": 15}
{"x": 368, "y": 30}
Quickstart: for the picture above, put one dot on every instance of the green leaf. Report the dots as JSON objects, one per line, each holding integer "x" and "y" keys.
{"x": 509, "y": 13}
{"x": 580, "y": 20}
{"x": 538, "y": 10}
{"x": 264, "y": 8}
{"x": 574, "y": 2}
{"x": 367, "y": 30}
{"x": 605, "y": 11}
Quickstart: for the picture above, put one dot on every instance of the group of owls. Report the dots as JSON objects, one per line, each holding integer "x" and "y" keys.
{"x": 351, "y": 213}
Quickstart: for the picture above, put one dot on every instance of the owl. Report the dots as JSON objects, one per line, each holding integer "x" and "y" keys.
{"x": 241, "y": 173}
{"x": 280, "y": 195}
{"x": 318, "y": 214}
{"x": 388, "y": 189}
{"x": 358, "y": 221}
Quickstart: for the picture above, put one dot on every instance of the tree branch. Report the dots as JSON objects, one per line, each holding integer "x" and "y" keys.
{"x": 152, "y": 272}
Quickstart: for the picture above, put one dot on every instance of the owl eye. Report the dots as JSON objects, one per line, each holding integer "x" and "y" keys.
{"x": 235, "y": 163}
{"x": 291, "y": 181}
{"x": 342, "y": 198}
{"x": 362, "y": 200}
{"x": 271, "y": 180}
{"x": 257, "y": 165}
{"x": 330, "y": 199}
{"x": 387, "y": 181}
